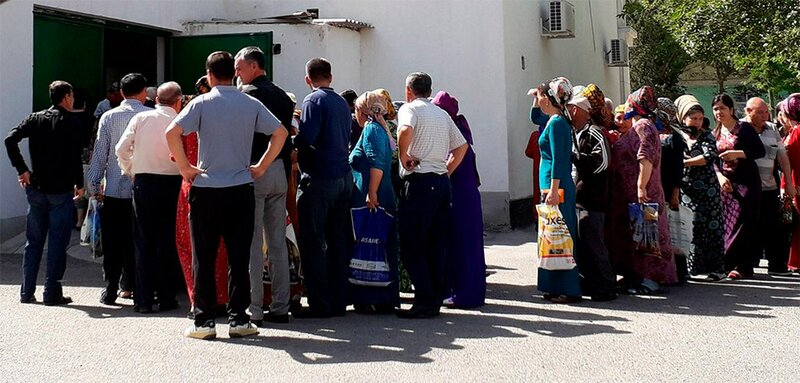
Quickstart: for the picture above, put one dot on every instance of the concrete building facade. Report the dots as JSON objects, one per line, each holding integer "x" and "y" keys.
{"x": 486, "y": 53}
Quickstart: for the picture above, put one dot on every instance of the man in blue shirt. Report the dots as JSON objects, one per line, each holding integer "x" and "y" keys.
{"x": 326, "y": 182}
{"x": 222, "y": 198}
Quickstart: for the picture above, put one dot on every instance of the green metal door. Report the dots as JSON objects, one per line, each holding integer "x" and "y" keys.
{"x": 188, "y": 54}
{"x": 67, "y": 50}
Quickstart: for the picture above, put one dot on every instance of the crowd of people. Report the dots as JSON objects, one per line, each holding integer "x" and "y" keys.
{"x": 204, "y": 184}
{"x": 734, "y": 184}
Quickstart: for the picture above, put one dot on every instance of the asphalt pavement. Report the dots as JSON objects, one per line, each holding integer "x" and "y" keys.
{"x": 743, "y": 331}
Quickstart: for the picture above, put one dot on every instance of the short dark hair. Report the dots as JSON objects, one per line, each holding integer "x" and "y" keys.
{"x": 350, "y": 96}
{"x": 318, "y": 69}
{"x": 132, "y": 84}
{"x": 420, "y": 84}
{"x": 201, "y": 86}
{"x": 220, "y": 64}
{"x": 251, "y": 54}
{"x": 58, "y": 90}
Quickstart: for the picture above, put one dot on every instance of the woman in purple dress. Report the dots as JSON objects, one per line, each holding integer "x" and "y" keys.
{"x": 467, "y": 280}
{"x": 739, "y": 146}
{"x": 636, "y": 177}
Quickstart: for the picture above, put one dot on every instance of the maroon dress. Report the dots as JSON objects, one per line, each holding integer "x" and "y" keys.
{"x": 740, "y": 208}
{"x": 640, "y": 142}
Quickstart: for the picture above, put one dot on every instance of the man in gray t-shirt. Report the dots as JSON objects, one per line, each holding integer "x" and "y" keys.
{"x": 221, "y": 198}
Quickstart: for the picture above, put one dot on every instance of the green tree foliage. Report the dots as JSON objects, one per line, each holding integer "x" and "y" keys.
{"x": 656, "y": 59}
{"x": 758, "y": 39}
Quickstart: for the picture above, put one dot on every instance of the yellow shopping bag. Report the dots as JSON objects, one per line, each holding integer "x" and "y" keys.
{"x": 555, "y": 243}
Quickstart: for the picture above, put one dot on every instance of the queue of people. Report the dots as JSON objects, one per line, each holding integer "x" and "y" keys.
{"x": 203, "y": 184}
{"x": 737, "y": 181}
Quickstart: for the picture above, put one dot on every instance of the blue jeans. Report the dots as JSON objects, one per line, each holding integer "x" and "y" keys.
{"x": 49, "y": 215}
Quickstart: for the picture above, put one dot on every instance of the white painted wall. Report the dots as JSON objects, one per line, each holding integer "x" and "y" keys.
{"x": 299, "y": 44}
{"x": 16, "y": 61}
{"x": 458, "y": 42}
{"x": 471, "y": 48}
{"x": 580, "y": 59}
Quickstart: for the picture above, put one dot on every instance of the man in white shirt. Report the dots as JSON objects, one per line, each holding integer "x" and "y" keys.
{"x": 143, "y": 155}
{"x": 774, "y": 244}
{"x": 430, "y": 148}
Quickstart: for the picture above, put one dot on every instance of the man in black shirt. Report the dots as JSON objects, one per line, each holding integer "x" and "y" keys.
{"x": 55, "y": 178}
{"x": 270, "y": 193}
{"x": 590, "y": 159}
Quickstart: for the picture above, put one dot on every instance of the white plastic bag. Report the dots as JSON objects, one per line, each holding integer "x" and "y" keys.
{"x": 556, "y": 247}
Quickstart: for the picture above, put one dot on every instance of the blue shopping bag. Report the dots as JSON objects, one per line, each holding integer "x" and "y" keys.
{"x": 91, "y": 235}
{"x": 369, "y": 266}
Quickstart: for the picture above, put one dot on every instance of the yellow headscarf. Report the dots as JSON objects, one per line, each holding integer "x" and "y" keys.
{"x": 391, "y": 112}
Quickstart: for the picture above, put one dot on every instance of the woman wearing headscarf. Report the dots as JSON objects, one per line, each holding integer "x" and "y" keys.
{"x": 701, "y": 191}
{"x": 636, "y": 178}
{"x": 466, "y": 259}
{"x": 739, "y": 146}
{"x": 790, "y": 111}
{"x": 672, "y": 148}
{"x": 555, "y": 172}
{"x": 371, "y": 162}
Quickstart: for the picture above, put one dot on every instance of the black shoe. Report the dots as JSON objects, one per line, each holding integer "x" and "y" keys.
{"x": 143, "y": 309}
{"x": 604, "y": 297}
{"x": 418, "y": 312}
{"x": 310, "y": 313}
{"x": 167, "y": 306}
{"x": 276, "y": 318}
{"x": 258, "y": 323}
{"x": 108, "y": 299}
{"x": 59, "y": 302}
{"x": 31, "y": 299}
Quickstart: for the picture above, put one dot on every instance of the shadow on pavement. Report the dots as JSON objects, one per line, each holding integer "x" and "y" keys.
{"x": 387, "y": 338}
{"x": 747, "y": 298}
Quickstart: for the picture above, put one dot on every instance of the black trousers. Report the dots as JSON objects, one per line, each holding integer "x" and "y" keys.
{"x": 325, "y": 232}
{"x": 227, "y": 213}
{"x": 116, "y": 219}
{"x": 423, "y": 215}
{"x": 155, "y": 206}
{"x": 775, "y": 238}
{"x": 597, "y": 275}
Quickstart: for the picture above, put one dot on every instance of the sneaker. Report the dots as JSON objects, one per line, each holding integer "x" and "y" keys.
{"x": 240, "y": 329}
{"x": 204, "y": 332}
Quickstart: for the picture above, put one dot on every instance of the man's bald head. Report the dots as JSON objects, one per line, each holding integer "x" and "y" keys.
{"x": 757, "y": 112}
{"x": 169, "y": 93}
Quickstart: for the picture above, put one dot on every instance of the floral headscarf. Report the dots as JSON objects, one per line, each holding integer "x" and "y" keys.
{"x": 643, "y": 103}
{"x": 559, "y": 91}
{"x": 667, "y": 112}
{"x": 391, "y": 113}
{"x": 599, "y": 111}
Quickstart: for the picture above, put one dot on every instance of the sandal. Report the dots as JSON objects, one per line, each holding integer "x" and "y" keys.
{"x": 564, "y": 299}
{"x": 734, "y": 275}
{"x": 124, "y": 294}
{"x": 647, "y": 287}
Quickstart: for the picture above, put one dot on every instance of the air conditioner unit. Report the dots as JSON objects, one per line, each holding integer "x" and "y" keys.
{"x": 560, "y": 21}
{"x": 618, "y": 55}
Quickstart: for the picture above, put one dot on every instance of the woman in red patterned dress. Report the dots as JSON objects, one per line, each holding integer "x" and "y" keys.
{"x": 182, "y": 237}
